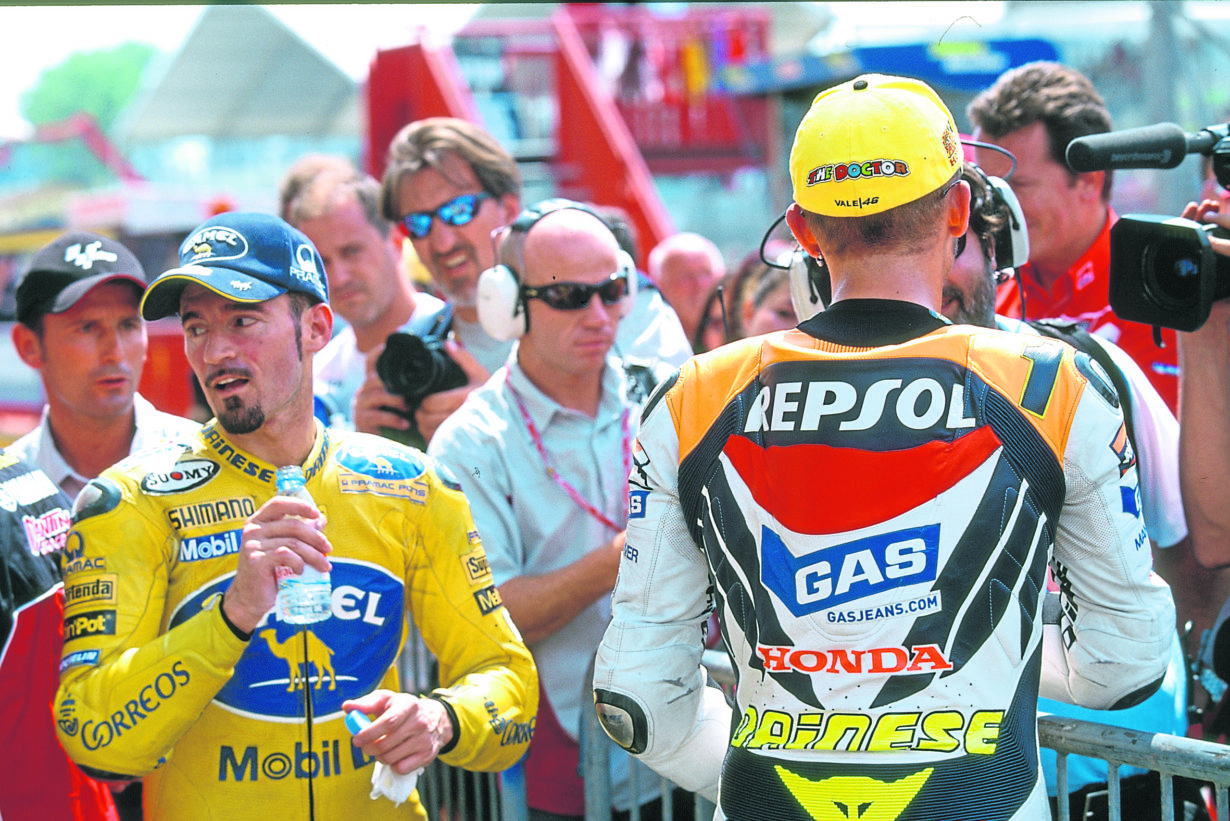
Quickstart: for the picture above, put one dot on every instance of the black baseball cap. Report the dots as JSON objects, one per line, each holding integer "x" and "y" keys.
{"x": 69, "y": 267}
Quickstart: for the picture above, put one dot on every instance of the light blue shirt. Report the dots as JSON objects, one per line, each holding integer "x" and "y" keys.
{"x": 529, "y": 524}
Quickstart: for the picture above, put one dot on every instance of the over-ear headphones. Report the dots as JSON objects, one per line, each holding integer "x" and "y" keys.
{"x": 501, "y": 305}
{"x": 811, "y": 290}
{"x": 1012, "y": 240}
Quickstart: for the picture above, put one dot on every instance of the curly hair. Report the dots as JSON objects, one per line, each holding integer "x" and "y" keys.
{"x": 987, "y": 214}
{"x": 1058, "y": 96}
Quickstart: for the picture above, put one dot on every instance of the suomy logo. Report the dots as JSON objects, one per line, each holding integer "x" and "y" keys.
{"x": 186, "y": 475}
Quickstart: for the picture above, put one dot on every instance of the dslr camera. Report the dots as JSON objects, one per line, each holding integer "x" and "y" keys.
{"x": 414, "y": 365}
{"x": 1163, "y": 270}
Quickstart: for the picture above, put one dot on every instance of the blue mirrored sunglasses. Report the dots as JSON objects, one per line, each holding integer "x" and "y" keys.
{"x": 573, "y": 296}
{"x": 456, "y": 212}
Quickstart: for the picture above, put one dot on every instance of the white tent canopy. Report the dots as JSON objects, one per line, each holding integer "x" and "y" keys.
{"x": 242, "y": 73}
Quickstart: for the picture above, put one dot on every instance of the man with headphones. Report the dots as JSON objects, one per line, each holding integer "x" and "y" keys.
{"x": 449, "y": 184}
{"x": 991, "y": 247}
{"x": 543, "y": 450}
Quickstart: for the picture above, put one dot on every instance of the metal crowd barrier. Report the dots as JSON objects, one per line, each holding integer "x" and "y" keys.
{"x": 1168, "y": 755}
{"x": 450, "y": 794}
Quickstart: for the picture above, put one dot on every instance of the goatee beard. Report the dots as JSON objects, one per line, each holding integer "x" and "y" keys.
{"x": 235, "y": 418}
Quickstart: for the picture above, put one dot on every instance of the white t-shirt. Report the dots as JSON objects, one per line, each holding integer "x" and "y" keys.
{"x": 153, "y": 428}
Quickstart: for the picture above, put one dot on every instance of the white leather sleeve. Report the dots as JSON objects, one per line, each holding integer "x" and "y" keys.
{"x": 650, "y": 658}
{"x": 1157, "y": 447}
{"x": 1116, "y": 620}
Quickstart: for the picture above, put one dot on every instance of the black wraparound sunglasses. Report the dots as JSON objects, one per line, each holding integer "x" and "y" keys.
{"x": 573, "y": 296}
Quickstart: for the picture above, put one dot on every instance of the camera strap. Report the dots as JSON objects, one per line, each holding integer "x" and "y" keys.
{"x": 436, "y": 324}
{"x": 573, "y": 493}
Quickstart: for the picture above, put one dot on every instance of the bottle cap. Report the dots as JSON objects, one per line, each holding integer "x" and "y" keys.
{"x": 356, "y": 721}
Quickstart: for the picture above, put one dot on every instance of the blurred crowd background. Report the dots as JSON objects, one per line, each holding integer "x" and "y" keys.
{"x": 679, "y": 114}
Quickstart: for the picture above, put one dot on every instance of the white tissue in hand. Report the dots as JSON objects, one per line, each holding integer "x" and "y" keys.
{"x": 385, "y": 780}
{"x": 397, "y": 788}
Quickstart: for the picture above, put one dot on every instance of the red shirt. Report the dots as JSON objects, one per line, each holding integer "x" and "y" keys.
{"x": 1082, "y": 294}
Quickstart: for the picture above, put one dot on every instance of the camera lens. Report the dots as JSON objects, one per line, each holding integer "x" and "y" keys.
{"x": 1172, "y": 273}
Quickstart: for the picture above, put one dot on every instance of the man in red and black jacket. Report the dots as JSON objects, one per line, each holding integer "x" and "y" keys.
{"x": 40, "y": 782}
{"x": 1034, "y": 111}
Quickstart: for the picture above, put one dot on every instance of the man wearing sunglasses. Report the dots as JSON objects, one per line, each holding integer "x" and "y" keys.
{"x": 542, "y": 451}
{"x": 449, "y": 184}
{"x": 338, "y": 208}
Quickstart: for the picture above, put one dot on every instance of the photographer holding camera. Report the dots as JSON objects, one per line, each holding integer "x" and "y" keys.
{"x": 450, "y": 184}
{"x": 339, "y": 209}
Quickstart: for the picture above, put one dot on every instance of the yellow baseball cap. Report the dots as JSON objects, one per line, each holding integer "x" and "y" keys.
{"x": 871, "y": 144}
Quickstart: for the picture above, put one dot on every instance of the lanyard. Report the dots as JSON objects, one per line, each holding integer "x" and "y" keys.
{"x": 572, "y": 492}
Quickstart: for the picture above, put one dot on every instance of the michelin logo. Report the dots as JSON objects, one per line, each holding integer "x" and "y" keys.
{"x": 213, "y": 546}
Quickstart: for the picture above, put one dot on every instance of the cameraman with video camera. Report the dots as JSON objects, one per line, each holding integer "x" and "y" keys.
{"x": 1174, "y": 272}
{"x": 339, "y": 210}
{"x": 1204, "y": 395}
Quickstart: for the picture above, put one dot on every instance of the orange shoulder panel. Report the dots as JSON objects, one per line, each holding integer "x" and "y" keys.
{"x": 706, "y": 385}
{"x": 1041, "y": 379}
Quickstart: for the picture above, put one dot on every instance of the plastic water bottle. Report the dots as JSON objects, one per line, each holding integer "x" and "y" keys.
{"x": 306, "y": 597}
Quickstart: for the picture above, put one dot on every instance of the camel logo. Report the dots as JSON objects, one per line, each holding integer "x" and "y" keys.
{"x": 847, "y": 797}
{"x": 302, "y": 651}
{"x": 380, "y": 470}
{"x": 340, "y": 658}
{"x": 379, "y": 461}
{"x": 213, "y": 244}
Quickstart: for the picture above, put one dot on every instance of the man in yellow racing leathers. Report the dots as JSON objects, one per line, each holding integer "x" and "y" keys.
{"x": 175, "y": 668}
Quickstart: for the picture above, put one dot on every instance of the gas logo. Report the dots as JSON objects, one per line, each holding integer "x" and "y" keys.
{"x": 843, "y": 573}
